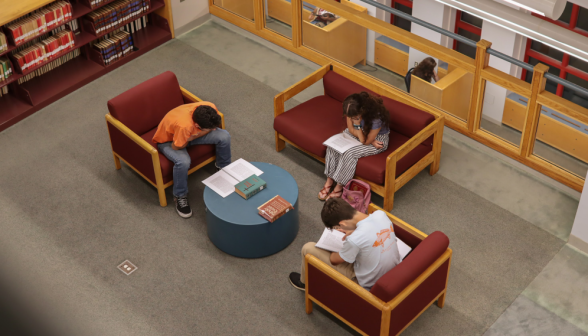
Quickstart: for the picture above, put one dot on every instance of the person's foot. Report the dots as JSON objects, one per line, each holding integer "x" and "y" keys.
{"x": 183, "y": 207}
{"x": 295, "y": 281}
{"x": 324, "y": 193}
{"x": 335, "y": 193}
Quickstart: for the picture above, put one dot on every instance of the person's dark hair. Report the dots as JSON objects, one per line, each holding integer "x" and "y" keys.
{"x": 336, "y": 210}
{"x": 206, "y": 117}
{"x": 425, "y": 69}
{"x": 369, "y": 107}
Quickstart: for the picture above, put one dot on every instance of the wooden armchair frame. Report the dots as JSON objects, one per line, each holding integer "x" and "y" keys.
{"x": 385, "y": 307}
{"x": 392, "y": 184}
{"x": 148, "y": 147}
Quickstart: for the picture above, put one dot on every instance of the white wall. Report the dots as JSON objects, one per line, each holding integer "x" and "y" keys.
{"x": 188, "y": 11}
{"x": 579, "y": 237}
{"x": 371, "y": 35}
{"x": 503, "y": 40}
{"x": 432, "y": 12}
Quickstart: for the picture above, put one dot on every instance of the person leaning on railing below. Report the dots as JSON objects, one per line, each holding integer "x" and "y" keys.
{"x": 425, "y": 71}
{"x": 369, "y": 251}
{"x": 320, "y": 17}
{"x": 368, "y": 121}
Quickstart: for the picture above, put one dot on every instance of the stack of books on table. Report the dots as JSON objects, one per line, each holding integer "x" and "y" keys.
{"x": 39, "y": 21}
{"x": 115, "y": 14}
{"x": 45, "y": 50}
{"x": 115, "y": 47}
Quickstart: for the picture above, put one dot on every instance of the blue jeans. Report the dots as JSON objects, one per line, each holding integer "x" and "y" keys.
{"x": 181, "y": 159}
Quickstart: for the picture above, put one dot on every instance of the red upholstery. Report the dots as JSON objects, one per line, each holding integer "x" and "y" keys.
{"x": 339, "y": 87}
{"x": 131, "y": 152}
{"x": 141, "y": 108}
{"x": 343, "y": 301}
{"x": 407, "y": 120}
{"x": 311, "y": 123}
{"x": 407, "y": 237}
{"x": 373, "y": 168}
{"x": 423, "y": 256}
{"x": 198, "y": 154}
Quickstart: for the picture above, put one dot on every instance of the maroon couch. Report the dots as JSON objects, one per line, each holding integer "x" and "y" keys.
{"x": 398, "y": 297}
{"x": 132, "y": 122}
{"x": 415, "y": 134}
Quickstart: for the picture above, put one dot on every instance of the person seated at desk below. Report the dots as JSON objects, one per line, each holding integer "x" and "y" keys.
{"x": 320, "y": 17}
{"x": 368, "y": 122}
{"x": 426, "y": 70}
{"x": 190, "y": 125}
{"x": 369, "y": 251}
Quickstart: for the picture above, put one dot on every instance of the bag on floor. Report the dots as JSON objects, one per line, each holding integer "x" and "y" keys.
{"x": 358, "y": 194}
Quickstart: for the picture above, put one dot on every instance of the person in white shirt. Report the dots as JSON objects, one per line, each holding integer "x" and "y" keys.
{"x": 370, "y": 248}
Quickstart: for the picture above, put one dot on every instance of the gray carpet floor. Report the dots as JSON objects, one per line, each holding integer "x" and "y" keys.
{"x": 68, "y": 218}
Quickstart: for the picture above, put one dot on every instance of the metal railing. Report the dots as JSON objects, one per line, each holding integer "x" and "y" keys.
{"x": 472, "y": 43}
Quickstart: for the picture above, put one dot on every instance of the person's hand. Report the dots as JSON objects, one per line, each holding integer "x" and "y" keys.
{"x": 378, "y": 144}
{"x": 346, "y": 232}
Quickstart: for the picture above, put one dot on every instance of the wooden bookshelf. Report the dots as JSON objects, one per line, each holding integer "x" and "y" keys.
{"x": 27, "y": 98}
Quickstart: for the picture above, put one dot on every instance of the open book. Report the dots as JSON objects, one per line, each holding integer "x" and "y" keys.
{"x": 341, "y": 142}
{"x": 223, "y": 182}
{"x": 332, "y": 240}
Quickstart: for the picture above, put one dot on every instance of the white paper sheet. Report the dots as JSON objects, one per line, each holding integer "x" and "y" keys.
{"x": 222, "y": 183}
{"x": 331, "y": 240}
{"x": 341, "y": 142}
{"x": 242, "y": 169}
{"x": 403, "y": 249}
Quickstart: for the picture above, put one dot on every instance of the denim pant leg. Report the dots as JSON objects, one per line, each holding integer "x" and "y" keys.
{"x": 222, "y": 141}
{"x": 182, "y": 161}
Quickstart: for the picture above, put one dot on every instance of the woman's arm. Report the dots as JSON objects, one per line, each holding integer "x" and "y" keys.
{"x": 435, "y": 76}
{"x": 371, "y": 137}
{"x": 356, "y": 132}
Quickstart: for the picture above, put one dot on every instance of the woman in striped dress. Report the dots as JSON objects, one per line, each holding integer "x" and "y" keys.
{"x": 368, "y": 121}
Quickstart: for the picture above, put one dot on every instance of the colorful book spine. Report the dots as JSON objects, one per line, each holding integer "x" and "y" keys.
{"x": 274, "y": 208}
{"x": 250, "y": 186}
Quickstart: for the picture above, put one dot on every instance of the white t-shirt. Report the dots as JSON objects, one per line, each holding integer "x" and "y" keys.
{"x": 372, "y": 248}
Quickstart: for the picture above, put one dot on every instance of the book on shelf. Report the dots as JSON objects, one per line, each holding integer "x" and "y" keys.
{"x": 274, "y": 208}
{"x": 3, "y": 42}
{"x": 224, "y": 181}
{"x": 5, "y": 69}
{"x": 45, "y": 50}
{"x": 39, "y": 21}
{"x": 116, "y": 13}
{"x": 250, "y": 186}
{"x": 50, "y": 66}
{"x": 115, "y": 46}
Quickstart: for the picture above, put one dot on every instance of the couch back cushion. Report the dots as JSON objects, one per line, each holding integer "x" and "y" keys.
{"x": 407, "y": 120}
{"x": 339, "y": 87}
{"x": 423, "y": 256}
{"x": 142, "y": 107}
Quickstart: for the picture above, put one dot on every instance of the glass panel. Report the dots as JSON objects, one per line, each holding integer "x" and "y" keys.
{"x": 279, "y": 17}
{"x": 567, "y": 13}
{"x": 562, "y": 141}
{"x": 503, "y": 113}
{"x": 550, "y": 86}
{"x": 243, "y": 8}
{"x": 400, "y": 22}
{"x": 473, "y": 20}
{"x": 573, "y": 96}
{"x": 579, "y": 64}
{"x": 547, "y": 50}
{"x": 582, "y": 19}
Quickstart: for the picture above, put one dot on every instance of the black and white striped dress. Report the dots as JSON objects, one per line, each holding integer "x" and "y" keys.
{"x": 341, "y": 167}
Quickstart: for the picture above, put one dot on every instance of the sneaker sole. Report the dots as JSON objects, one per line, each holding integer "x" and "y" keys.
{"x": 184, "y": 215}
{"x": 293, "y": 285}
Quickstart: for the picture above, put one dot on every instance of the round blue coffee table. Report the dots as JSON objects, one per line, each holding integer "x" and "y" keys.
{"x": 235, "y": 226}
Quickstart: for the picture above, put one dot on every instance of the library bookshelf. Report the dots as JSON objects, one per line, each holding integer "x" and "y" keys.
{"x": 27, "y": 98}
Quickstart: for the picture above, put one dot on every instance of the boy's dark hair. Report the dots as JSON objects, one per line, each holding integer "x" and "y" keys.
{"x": 336, "y": 210}
{"x": 206, "y": 117}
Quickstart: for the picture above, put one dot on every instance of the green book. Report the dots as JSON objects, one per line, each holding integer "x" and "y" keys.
{"x": 250, "y": 186}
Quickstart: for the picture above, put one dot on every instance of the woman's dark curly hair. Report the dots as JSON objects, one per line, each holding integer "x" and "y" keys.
{"x": 369, "y": 107}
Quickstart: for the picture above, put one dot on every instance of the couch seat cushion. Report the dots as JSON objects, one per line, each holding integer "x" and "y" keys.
{"x": 309, "y": 124}
{"x": 373, "y": 168}
{"x": 198, "y": 154}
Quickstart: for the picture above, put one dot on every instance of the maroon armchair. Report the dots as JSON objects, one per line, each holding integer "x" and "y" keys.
{"x": 416, "y": 128}
{"x": 397, "y": 298}
{"x": 132, "y": 122}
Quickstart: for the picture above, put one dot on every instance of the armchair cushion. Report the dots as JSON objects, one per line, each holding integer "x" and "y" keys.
{"x": 198, "y": 154}
{"x": 309, "y": 124}
{"x": 339, "y": 87}
{"x": 142, "y": 107}
{"x": 421, "y": 258}
{"x": 373, "y": 168}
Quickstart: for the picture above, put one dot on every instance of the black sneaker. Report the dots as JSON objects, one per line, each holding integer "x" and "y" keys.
{"x": 183, "y": 207}
{"x": 295, "y": 281}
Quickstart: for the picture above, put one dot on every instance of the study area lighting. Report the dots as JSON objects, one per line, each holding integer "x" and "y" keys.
{"x": 552, "y": 9}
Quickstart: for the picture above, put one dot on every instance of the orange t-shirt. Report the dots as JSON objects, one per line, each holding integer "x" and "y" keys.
{"x": 178, "y": 126}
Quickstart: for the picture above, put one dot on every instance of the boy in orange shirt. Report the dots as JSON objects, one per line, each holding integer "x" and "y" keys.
{"x": 190, "y": 125}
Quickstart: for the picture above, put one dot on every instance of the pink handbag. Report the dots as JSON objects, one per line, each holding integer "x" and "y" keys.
{"x": 358, "y": 194}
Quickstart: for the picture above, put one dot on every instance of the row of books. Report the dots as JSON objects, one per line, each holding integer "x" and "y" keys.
{"x": 3, "y": 42}
{"x": 136, "y": 25}
{"x": 115, "y": 14}
{"x": 43, "y": 51}
{"x": 5, "y": 69}
{"x": 50, "y": 66}
{"x": 115, "y": 47}
{"x": 3, "y": 91}
{"x": 39, "y": 21}
{"x": 41, "y": 38}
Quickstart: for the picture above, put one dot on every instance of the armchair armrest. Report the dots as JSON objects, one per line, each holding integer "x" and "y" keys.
{"x": 189, "y": 97}
{"x": 130, "y": 134}
{"x": 399, "y": 222}
{"x": 416, "y": 140}
{"x": 295, "y": 89}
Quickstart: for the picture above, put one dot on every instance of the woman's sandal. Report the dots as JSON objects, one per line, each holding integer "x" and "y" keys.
{"x": 337, "y": 194}
{"x": 326, "y": 190}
